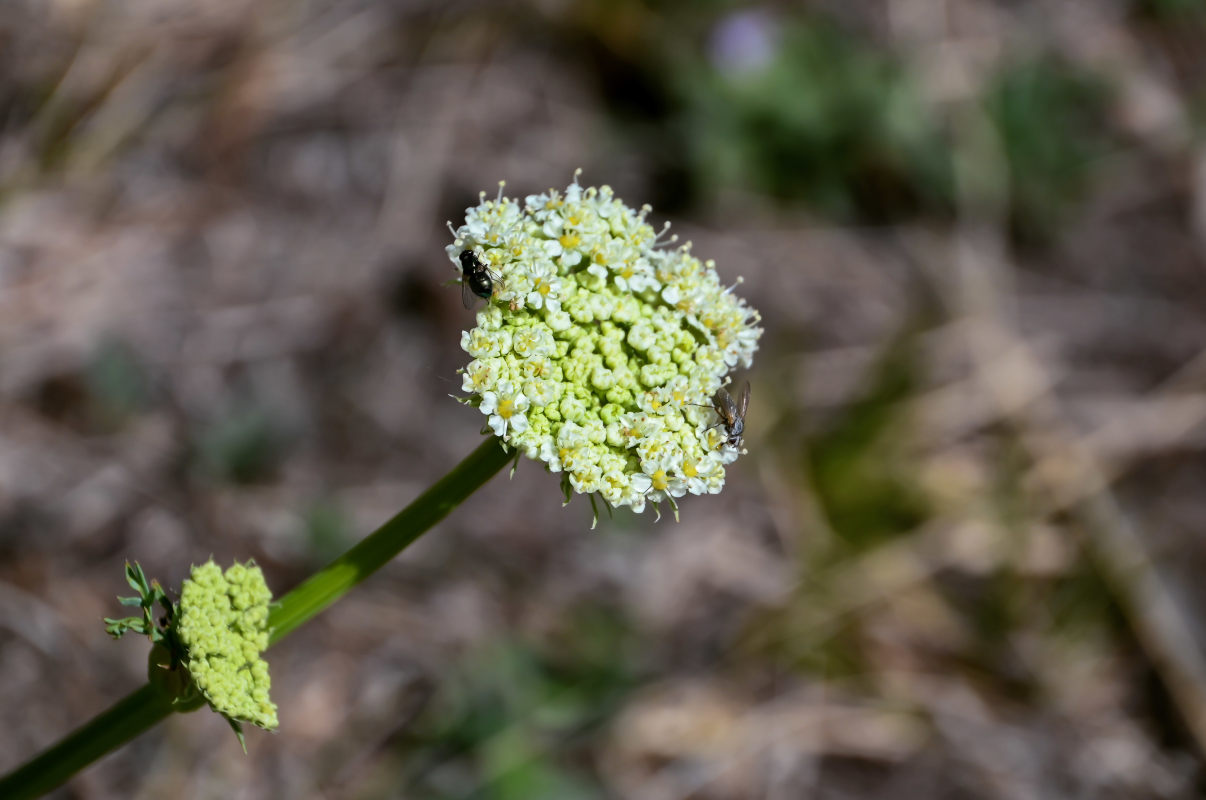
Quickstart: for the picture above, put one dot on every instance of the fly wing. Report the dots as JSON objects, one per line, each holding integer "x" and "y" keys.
{"x": 722, "y": 401}
{"x": 466, "y": 293}
{"x": 744, "y": 401}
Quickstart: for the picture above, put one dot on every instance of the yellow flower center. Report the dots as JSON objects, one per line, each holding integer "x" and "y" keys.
{"x": 506, "y": 408}
{"x": 659, "y": 480}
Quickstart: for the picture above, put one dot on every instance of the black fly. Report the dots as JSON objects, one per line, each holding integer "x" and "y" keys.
{"x": 731, "y": 413}
{"x": 476, "y": 278}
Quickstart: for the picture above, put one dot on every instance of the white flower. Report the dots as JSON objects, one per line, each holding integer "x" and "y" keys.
{"x": 481, "y": 343}
{"x": 505, "y": 407}
{"x": 540, "y": 392}
{"x": 614, "y": 486}
{"x": 550, "y": 454}
{"x": 546, "y": 286}
{"x": 698, "y": 472}
{"x": 534, "y": 340}
{"x": 587, "y": 479}
{"x": 601, "y": 348}
{"x": 480, "y": 375}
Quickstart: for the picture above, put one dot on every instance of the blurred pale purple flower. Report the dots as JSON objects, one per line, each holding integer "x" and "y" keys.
{"x": 743, "y": 42}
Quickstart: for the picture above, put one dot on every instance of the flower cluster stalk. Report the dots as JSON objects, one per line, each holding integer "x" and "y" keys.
{"x": 145, "y": 707}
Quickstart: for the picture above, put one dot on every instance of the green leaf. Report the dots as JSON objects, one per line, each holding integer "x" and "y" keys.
{"x": 119, "y": 627}
{"x": 237, "y": 727}
{"x": 137, "y": 579}
{"x": 149, "y": 593}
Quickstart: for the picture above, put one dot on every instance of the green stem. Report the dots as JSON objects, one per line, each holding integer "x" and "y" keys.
{"x": 376, "y": 550}
{"x": 130, "y": 716}
{"x": 142, "y": 709}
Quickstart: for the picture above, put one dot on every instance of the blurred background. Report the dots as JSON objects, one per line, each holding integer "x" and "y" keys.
{"x": 960, "y": 560}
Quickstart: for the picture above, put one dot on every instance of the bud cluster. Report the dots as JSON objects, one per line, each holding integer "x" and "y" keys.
{"x": 224, "y": 627}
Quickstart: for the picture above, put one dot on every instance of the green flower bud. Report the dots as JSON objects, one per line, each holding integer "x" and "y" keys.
{"x": 223, "y": 625}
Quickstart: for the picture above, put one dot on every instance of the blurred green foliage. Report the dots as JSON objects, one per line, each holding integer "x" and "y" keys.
{"x": 510, "y": 723}
{"x": 1051, "y": 119}
{"x": 862, "y": 476}
{"x": 802, "y": 636}
{"x": 117, "y": 383}
{"x": 859, "y": 464}
{"x": 245, "y": 446}
{"x": 1169, "y": 10}
{"x": 804, "y": 111}
{"x": 108, "y": 391}
{"x": 328, "y": 531}
{"x": 826, "y": 120}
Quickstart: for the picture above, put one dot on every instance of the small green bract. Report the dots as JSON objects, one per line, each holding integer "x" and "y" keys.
{"x": 601, "y": 349}
{"x": 224, "y": 626}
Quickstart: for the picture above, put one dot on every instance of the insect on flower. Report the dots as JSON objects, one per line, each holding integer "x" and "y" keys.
{"x": 731, "y": 413}
{"x": 476, "y": 278}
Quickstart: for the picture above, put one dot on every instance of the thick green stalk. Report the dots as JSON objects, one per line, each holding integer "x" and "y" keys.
{"x": 109, "y": 730}
{"x": 142, "y": 709}
{"x": 375, "y": 550}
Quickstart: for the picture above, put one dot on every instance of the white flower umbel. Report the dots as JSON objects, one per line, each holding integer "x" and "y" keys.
{"x": 602, "y": 345}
